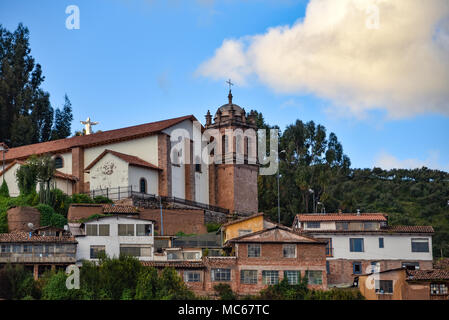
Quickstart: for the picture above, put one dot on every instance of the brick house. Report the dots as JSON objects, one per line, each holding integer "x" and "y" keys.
{"x": 256, "y": 260}
{"x": 39, "y": 250}
{"x": 359, "y": 242}
{"x": 404, "y": 284}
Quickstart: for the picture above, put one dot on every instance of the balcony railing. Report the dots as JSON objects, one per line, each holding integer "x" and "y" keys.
{"x": 12, "y": 257}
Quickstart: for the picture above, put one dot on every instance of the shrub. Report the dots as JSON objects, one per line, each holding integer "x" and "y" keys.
{"x": 4, "y": 191}
{"x": 102, "y": 200}
{"x": 147, "y": 284}
{"x": 212, "y": 227}
{"x": 80, "y": 198}
{"x": 49, "y": 217}
{"x": 17, "y": 283}
{"x": 224, "y": 291}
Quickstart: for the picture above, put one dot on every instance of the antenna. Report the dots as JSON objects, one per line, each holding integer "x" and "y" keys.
{"x": 30, "y": 225}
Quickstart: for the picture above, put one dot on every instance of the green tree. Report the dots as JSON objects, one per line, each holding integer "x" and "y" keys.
{"x": 148, "y": 284}
{"x": 4, "y": 191}
{"x": 63, "y": 121}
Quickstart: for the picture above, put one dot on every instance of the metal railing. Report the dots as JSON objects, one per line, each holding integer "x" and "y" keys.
{"x": 120, "y": 193}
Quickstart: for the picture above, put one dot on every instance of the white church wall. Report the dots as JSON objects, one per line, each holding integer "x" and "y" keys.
{"x": 10, "y": 178}
{"x": 64, "y": 185}
{"x": 150, "y": 175}
{"x": 109, "y": 172}
{"x": 145, "y": 148}
{"x": 66, "y": 162}
{"x": 178, "y": 181}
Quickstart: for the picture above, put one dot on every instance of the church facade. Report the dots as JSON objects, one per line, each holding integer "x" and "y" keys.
{"x": 140, "y": 158}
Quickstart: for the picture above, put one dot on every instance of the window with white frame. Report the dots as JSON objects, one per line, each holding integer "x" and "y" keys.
{"x": 248, "y": 276}
{"x": 292, "y": 276}
{"x": 289, "y": 250}
{"x": 313, "y": 225}
{"x": 270, "y": 277}
{"x": 103, "y": 230}
{"x": 192, "y": 276}
{"x": 92, "y": 229}
{"x": 96, "y": 250}
{"x": 253, "y": 250}
{"x": 438, "y": 289}
{"x": 384, "y": 286}
{"x": 420, "y": 245}
{"x": 143, "y": 229}
{"x": 314, "y": 276}
{"x": 219, "y": 274}
{"x": 126, "y": 230}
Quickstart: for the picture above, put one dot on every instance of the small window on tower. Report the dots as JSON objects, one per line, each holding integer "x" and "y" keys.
{"x": 59, "y": 163}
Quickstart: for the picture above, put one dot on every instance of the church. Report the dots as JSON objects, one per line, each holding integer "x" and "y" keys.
{"x": 139, "y": 158}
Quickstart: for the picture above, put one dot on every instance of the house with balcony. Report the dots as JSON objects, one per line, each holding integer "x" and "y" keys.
{"x": 39, "y": 250}
{"x": 358, "y": 243}
{"x": 114, "y": 235}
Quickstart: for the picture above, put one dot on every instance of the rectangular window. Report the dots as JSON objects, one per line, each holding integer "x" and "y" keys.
{"x": 438, "y": 289}
{"x": 27, "y": 248}
{"x": 130, "y": 251}
{"x": 329, "y": 249}
{"x": 6, "y": 248}
{"x": 198, "y": 167}
{"x": 384, "y": 286}
{"x": 248, "y": 276}
{"x": 289, "y": 250}
{"x": 381, "y": 243}
{"x": 192, "y": 276}
{"x": 191, "y": 255}
{"x": 356, "y": 244}
{"x": 220, "y": 274}
{"x": 375, "y": 266}
{"x": 92, "y": 229}
{"x": 96, "y": 250}
{"x": 126, "y": 230}
{"x": 342, "y": 226}
{"x": 292, "y": 276}
{"x": 314, "y": 276}
{"x": 328, "y": 268}
{"x": 17, "y": 248}
{"x": 103, "y": 230}
{"x": 270, "y": 277}
{"x": 370, "y": 226}
{"x": 242, "y": 232}
{"x": 357, "y": 267}
{"x": 253, "y": 250}
{"x": 410, "y": 265}
{"x": 420, "y": 245}
{"x": 313, "y": 225}
{"x": 143, "y": 230}
{"x": 38, "y": 249}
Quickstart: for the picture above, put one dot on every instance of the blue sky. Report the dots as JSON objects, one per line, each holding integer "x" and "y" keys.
{"x": 137, "y": 61}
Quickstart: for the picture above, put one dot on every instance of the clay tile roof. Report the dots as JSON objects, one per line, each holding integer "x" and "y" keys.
{"x": 435, "y": 274}
{"x": 95, "y": 139}
{"x": 275, "y": 234}
{"x": 118, "y": 208}
{"x": 242, "y": 219}
{"x": 409, "y": 229}
{"x": 9, "y": 166}
{"x": 341, "y": 217}
{"x": 132, "y": 160}
{"x": 174, "y": 264}
{"x": 22, "y": 236}
{"x": 65, "y": 176}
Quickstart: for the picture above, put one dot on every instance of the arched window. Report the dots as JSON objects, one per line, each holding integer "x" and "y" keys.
{"x": 59, "y": 163}
{"x": 143, "y": 185}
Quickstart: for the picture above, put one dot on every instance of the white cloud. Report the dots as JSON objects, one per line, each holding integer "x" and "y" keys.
{"x": 387, "y": 161}
{"x": 401, "y": 67}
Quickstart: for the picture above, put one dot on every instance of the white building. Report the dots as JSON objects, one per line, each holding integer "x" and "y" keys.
{"x": 358, "y": 243}
{"x": 114, "y": 235}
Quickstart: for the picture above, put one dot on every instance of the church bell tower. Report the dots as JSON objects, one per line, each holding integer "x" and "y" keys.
{"x": 233, "y": 182}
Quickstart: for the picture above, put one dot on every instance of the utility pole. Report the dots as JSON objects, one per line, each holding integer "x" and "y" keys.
{"x": 279, "y": 199}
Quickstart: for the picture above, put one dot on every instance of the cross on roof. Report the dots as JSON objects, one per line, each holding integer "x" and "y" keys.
{"x": 230, "y": 84}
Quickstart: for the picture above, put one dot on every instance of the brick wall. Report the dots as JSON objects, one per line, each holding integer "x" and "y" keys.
{"x": 78, "y": 168}
{"x": 19, "y": 217}
{"x": 164, "y": 162}
{"x": 83, "y": 211}
{"x": 175, "y": 220}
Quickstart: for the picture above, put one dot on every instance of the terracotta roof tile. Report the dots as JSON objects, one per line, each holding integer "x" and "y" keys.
{"x": 275, "y": 234}
{"x": 118, "y": 208}
{"x": 95, "y": 139}
{"x": 341, "y": 217}
{"x": 22, "y": 236}
{"x": 132, "y": 160}
{"x": 174, "y": 264}
{"x": 435, "y": 274}
{"x": 390, "y": 229}
{"x": 65, "y": 176}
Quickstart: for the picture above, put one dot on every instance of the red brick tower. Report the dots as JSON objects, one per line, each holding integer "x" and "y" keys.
{"x": 233, "y": 183}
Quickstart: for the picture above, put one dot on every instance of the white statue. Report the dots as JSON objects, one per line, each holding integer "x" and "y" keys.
{"x": 88, "y": 125}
